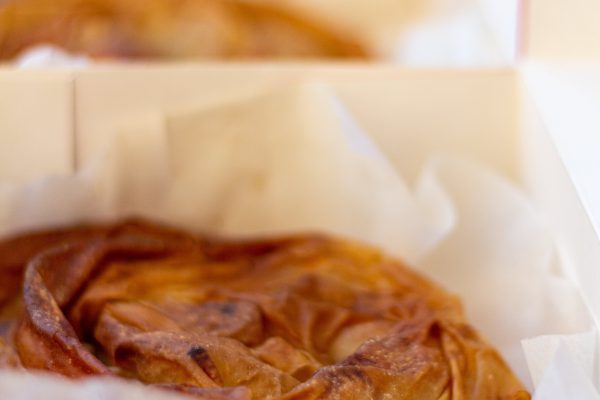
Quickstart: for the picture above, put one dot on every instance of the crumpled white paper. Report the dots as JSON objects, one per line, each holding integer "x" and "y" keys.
{"x": 49, "y": 56}
{"x": 293, "y": 160}
{"x": 25, "y": 386}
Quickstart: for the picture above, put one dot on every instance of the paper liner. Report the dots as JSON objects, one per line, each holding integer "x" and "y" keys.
{"x": 294, "y": 160}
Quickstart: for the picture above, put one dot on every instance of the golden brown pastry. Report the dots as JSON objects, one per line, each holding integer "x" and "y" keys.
{"x": 169, "y": 29}
{"x": 302, "y": 317}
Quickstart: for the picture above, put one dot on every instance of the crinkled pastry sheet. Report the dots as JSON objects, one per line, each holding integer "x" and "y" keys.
{"x": 294, "y": 160}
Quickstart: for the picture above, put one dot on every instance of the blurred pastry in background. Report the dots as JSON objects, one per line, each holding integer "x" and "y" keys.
{"x": 171, "y": 30}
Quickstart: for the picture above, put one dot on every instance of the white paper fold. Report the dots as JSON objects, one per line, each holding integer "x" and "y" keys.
{"x": 566, "y": 377}
{"x": 294, "y": 159}
{"x": 23, "y": 386}
{"x": 49, "y": 56}
{"x": 290, "y": 161}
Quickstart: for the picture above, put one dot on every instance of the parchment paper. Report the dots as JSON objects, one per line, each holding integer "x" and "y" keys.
{"x": 294, "y": 159}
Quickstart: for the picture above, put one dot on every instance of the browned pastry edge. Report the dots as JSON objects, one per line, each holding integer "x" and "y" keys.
{"x": 426, "y": 350}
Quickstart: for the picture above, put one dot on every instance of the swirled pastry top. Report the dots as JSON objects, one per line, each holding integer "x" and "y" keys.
{"x": 169, "y": 29}
{"x": 302, "y": 317}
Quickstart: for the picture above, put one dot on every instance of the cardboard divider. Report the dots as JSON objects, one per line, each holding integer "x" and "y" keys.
{"x": 563, "y": 30}
{"x": 36, "y": 122}
{"x": 409, "y": 112}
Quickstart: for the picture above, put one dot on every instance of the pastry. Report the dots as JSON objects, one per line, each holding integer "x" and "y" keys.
{"x": 288, "y": 318}
{"x": 169, "y": 29}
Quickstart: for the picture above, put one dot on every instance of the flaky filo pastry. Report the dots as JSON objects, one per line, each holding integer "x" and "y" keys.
{"x": 300, "y": 317}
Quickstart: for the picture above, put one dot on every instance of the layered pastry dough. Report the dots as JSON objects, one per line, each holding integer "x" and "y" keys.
{"x": 169, "y": 29}
{"x": 294, "y": 318}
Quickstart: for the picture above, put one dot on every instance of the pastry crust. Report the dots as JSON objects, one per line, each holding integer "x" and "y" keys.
{"x": 170, "y": 29}
{"x": 301, "y": 317}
